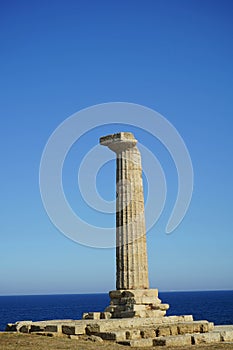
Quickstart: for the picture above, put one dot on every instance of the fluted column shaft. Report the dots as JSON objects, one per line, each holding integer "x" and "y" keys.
{"x": 131, "y": 253}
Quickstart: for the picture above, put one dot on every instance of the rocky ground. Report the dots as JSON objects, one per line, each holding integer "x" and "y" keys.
{"x": 20, "y": 341}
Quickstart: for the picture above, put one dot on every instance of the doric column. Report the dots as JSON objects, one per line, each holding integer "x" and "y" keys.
{"x": 131, "y": 253}
{"x": 133, "y": 298}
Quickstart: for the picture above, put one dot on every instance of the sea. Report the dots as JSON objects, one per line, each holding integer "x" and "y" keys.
{"x": 215, "y": 306}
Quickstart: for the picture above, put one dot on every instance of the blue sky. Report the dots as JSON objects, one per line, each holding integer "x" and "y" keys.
{"x": 59, "y": 57}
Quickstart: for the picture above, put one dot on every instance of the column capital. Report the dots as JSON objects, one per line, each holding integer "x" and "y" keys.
{"x": 118, "y": 142}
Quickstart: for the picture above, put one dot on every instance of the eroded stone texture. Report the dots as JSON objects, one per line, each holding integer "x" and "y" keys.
{"x": 212, "y": 337}
{"x": 226, "y": 332}
{"x": 131, "y": 254}
{"x": 132, "y": 297}
{"x": 140, "y": 332}
{"x": 136, "y": 303}
{"x": 179, "y": 340}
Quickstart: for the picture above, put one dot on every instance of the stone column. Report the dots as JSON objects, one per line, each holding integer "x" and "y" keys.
{"x": 131, "y": 253}
{"x": 132, "y": 297}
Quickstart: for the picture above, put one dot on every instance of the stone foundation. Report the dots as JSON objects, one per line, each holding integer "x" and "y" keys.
{"x": 132, "y": 303}
{"x": 140, "y": 332}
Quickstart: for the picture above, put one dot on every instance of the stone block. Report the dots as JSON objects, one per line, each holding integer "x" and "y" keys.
{"x": 131, "y": 293}
{"x": 159, "y": 341}
{"x": 24, "y": 329}
{"x": 179, "y": 340}
{"x": 23, "y": 326}
{"x": 115, "y": 294}
{"x": 11, "y": 327}
{"x": 120, "y": 308}
{"x": 92, "y": 328}
{"x": 51, "y": 328}
{"x": 105, "y": 315}
{"x": 213, "y": 337}
{"x": 127, "y": 314}
{"x": 104, "y": 326}
{"x": 148, "y": 333}
{"x": 136, "y": 307}
{"x": 226, "y": 332}
{"x": 170, "y": 319}
{"x": 184, "y": 328}
{"x": 147, "y": 342}
{"x": 68, "y": 329}
{"x": 176, "y": 319}
{"x": 163, "y": 331}
{"x": 92, "y": 315}
{"x": 154, "y": 313}
{"x": 124, "y": 342}
{"x": 124, "y": 323}
{"x": 164, "y": 307}
{"x": 117, "y": 315}
{"x": 133, "y": 334}
{"x": 150, "y": 300}
{"x": 59, "y": 328}
{"x": 40, "y": 327}
{"x": 204, "y": 326}
{"x": 227, "y": 335}
{"x": 115, "y": 336}
{"x": 211, "y": 326}
{"x": 197, "y": 326}
{"x": 173, "y": 329}
{"x": 140, "y": 300}
{"x": 96, "y": 315}
{"x": 127, "y": 300}
{"x": 80, "y": 329}
{"x": 187, "y": 318}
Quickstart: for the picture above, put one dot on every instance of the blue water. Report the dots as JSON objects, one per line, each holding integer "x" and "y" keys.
{"x": 215, "y": 306}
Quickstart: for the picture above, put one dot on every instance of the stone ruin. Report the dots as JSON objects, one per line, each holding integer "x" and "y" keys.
{"x": 135, "y": 316}
{"x": 132, "y": 297}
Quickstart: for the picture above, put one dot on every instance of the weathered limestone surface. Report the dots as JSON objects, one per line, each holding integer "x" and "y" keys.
{"x": 213, "y": 337}
{"x": 136, "y": 303}
{"x": 141, "y": 332}
{"x": 226, "y": 332}
{"x": 131, "y": 253}
{"x": 132, "y": 297}
{"x": 79, "y": 327}
{"x": 138, "y": 342}
{"x": 179, "y": 340}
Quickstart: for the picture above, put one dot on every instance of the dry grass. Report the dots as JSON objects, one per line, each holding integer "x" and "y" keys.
{"x": 20, "y": 341}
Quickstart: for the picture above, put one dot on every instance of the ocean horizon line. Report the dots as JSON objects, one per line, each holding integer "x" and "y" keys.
{"x": 95, "y": 293}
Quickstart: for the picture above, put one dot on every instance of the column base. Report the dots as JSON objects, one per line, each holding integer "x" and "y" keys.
{"x": 136, "y": 303}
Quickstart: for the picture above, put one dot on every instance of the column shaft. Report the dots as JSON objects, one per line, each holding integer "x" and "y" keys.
{"x": 131, "y": 255}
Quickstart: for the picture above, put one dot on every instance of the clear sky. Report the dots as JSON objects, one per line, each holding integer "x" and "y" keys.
{"x": 58, "y": 57}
